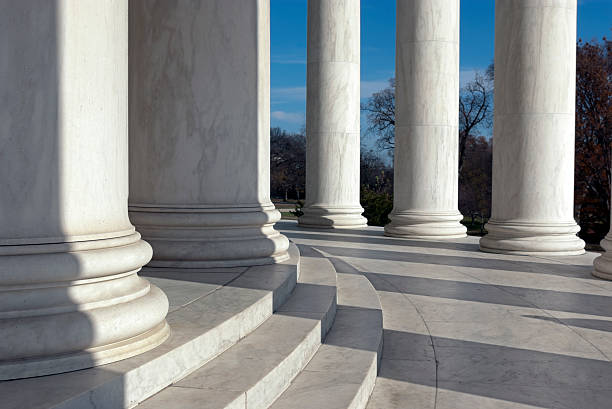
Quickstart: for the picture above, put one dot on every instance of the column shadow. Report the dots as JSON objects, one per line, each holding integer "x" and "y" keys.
{"x": 563, "y": 270}
{"x": 580, "y": 303}
{"x": 512, "y": 375}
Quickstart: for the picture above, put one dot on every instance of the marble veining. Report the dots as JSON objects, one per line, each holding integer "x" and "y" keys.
{"x": 332, "y": 115}
{"x": 426, "y": 158}
{"x": 533, "y": 149}
{"x": 199, "y": 133}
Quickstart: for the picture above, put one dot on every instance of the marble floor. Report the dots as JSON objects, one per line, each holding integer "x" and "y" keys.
{"x": 465, "y": 329}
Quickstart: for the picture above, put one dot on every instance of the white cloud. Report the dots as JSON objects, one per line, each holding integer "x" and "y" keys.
{"x": 288, "y": 94}
{"x": 370, "y": 87}
{"x": 466, "y": 76}
{"x": 291, "y": 117}
{"x": 281, "y": 60}
{"x": 295, "y": 94}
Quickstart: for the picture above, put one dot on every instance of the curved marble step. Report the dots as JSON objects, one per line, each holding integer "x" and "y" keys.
{"x": 210, "y": 310}
{"x": 342, "y": 373}
{"x": 255, "y": 371}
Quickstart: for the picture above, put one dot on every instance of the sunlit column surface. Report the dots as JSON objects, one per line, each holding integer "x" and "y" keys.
{"x": 533, "y": 139}
{"x": 332, "y": 116}
{"x": 200, "y": 133}
{"x": 425, "y": 202}
{"x": 70, "y": 296}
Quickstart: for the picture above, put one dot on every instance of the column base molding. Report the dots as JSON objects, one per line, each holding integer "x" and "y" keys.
{"x": 70, "y": 306}
{"x": 426, "y": 225}
{"x": 332, "y": 217}
{"x": 209, "y": 237}
{"x": 602, "y": 265}
{"x": 528, "y": 238}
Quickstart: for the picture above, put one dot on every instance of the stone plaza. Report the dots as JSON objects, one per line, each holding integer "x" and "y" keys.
{"x": 143, "y": 264}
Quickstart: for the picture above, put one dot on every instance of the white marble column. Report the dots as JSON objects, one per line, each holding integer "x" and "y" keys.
{"x": 533, "y": 139}
{"x": 332, "y": 116}
{"x": 70, "y": 296}
{"x": 602, "y": 266}
{"x": 425, "y": 202}
{"x": 200, "y": 133}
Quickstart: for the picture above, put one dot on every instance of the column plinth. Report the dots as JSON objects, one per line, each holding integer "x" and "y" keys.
{"x": 602, "y": 265}
{"x": 207, "y": 237}
{"x": 425, "y": 225}
{"x": 529, "y": 238}
{"x": 319, "y": 216}
{"x": 425, "y": 200}
{"x": 70, "y": 296}
{"x": 332, "y": 116}
{"x": 533, "y": 139}
{"x": 200, "y": 133}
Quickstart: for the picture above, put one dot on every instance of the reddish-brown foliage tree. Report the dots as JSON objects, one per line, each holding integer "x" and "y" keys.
{"x": 593, "y": 137}
{"x": 475, "y": 177}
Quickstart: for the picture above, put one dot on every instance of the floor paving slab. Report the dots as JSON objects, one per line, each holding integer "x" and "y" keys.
{"x": 466, "y": 329}
{"x": 253, "y": 372}
{"x": 342, "y": 373}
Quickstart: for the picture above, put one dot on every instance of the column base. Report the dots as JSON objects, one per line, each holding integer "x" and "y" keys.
{"x": 332, "y": 217}
{"x": 71, "y": 306}
{"x": 208, "y": 237}
{"x": 525, "y": 238}
{"x": 602, "y": 265}
{"x": 426, "y": 225}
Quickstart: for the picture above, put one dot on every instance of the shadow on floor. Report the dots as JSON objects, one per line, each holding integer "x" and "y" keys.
{"x": 564, "y": 270}
{"x": 385, "y": 241}
{"x": 508, "y": 374}
{"x": 289, "y": 226}
{"x": 494, "y": 294}
{"x": 599, "y": 325}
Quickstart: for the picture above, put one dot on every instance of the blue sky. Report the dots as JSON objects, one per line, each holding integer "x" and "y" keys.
{"x": 288, "y": 47}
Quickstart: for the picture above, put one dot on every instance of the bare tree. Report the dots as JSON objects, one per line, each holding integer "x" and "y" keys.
{"x": 593, "y": 137}
{"x": 287, "y": 163}
{"x": 475, "y": 112}
{"x": 380, "y": 109}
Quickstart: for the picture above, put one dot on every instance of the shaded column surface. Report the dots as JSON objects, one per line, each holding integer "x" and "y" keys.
{"x": 70, "y": 296}
{"x": 200, "y": 133}
{"x": 332, "y": 116}
{"x": 602, "y": 265}
{"x": 425, "y": 202}
{"x": 533, "y": 139}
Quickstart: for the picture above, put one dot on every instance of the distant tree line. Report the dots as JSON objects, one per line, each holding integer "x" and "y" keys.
{"x": 287, "y": 164}
{"x": 593, "y": 138}
{"x": 288, "y": 167}
{"x": 593, "y": 147}
{"x": 475, "y": 153}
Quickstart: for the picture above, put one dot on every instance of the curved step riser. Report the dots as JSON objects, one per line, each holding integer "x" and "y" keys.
{"x": 255, "y": 371}
{"x": 209, "y": 313}
{"x": 342, "y": 373}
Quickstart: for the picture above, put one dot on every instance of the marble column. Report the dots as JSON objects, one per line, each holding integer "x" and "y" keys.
{"x": 602, "y": 265}
{"x": 533, "y": 138}
{"x": 70, "y": 296}
{"x": 425, "y": 202}
{"x": 332, "y": 116}
{"x": 200, "y": 133}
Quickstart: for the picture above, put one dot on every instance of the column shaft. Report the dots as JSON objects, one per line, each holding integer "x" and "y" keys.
{"x": 425, "y": 199}
{"x": 332, "y": 116}
{"x": 533, "y": 140}
{"x": 70, "y": 296}
{"x": 200, "y": 133}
